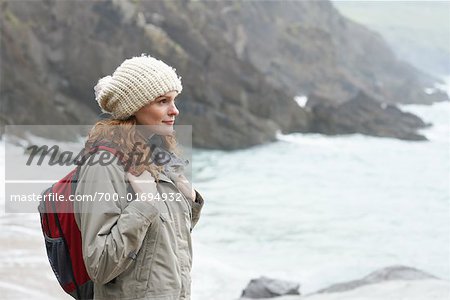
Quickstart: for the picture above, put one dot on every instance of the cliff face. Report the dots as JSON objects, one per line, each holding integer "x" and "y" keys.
{"x": 308, "y": 47}
{"x": 419, "y": 33}
{"x": 241, "y": 62}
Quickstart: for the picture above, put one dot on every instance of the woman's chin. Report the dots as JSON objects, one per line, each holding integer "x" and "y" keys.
{"x": 163, "y": 129}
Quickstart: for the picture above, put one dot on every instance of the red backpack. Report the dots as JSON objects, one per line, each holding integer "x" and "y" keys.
{"x": 63, "y": 237}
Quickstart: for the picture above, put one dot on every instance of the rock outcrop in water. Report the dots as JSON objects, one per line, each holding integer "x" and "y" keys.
{"x": 363, "y": 114}
{"x": 242, "y": 62}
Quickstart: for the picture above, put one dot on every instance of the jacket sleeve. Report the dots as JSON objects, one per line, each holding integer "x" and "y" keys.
{"x": 196, "y": 208}
{"x": 111, "y": 234}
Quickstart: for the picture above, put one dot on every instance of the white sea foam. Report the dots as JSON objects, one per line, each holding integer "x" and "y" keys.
{"x": 301, "y": 100}
{"x": 322, "y": 210}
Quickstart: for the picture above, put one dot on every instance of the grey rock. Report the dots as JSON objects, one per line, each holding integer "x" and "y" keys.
{"x": 264, "y": 287}
{"x": 363, "y": 114}
{"x": 385, "y": 274}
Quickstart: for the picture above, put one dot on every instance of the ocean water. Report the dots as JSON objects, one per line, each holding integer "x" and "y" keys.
{"x": 309, "y": 208}
{"x": 320, "y": 210}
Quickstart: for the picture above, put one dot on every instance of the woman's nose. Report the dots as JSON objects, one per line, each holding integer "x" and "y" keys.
{"x": 173, "y": 110}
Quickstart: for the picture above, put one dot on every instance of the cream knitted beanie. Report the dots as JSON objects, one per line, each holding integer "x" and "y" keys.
{"x": 136, "y": 82}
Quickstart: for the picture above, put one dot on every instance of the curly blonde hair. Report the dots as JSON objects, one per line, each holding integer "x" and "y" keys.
{"x": 125, "y": 137}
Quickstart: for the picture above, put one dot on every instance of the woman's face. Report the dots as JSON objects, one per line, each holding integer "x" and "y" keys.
{"x": 159, "y": 113}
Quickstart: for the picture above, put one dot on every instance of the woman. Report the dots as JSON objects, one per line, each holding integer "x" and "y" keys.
{"x": 136, "y": 232}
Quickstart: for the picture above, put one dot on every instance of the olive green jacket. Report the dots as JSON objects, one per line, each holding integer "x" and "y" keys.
{"x": 135, "y": 249}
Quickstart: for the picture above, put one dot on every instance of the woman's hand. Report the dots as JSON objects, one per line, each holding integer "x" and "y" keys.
{"x": 184, "y": 185}
{"x": 144, "y": 183}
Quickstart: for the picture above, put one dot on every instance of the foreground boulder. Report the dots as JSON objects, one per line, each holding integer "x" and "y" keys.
{"x": 393, "y": 290}
{"x": 393, "y": 283}
{"x": 264, "y": 287}
{"x": 385, "y": 274}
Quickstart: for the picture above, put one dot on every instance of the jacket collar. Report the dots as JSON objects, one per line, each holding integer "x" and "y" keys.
{"x": 164, "y": 177}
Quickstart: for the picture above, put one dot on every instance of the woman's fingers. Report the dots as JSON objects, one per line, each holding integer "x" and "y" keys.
{"x": 144, "y": 182}
{"x": 190, "y": 192}
{"x": 145, "y": 177}
{"x": 185, "y": 187}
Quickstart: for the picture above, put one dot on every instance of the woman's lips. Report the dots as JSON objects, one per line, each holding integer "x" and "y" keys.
{"x": 169, "y": 122}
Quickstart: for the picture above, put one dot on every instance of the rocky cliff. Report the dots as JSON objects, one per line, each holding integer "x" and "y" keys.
{"x": 241, "y": 63}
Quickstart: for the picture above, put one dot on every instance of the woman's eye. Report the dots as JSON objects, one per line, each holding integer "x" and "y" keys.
{"x": 163, "y": 101}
